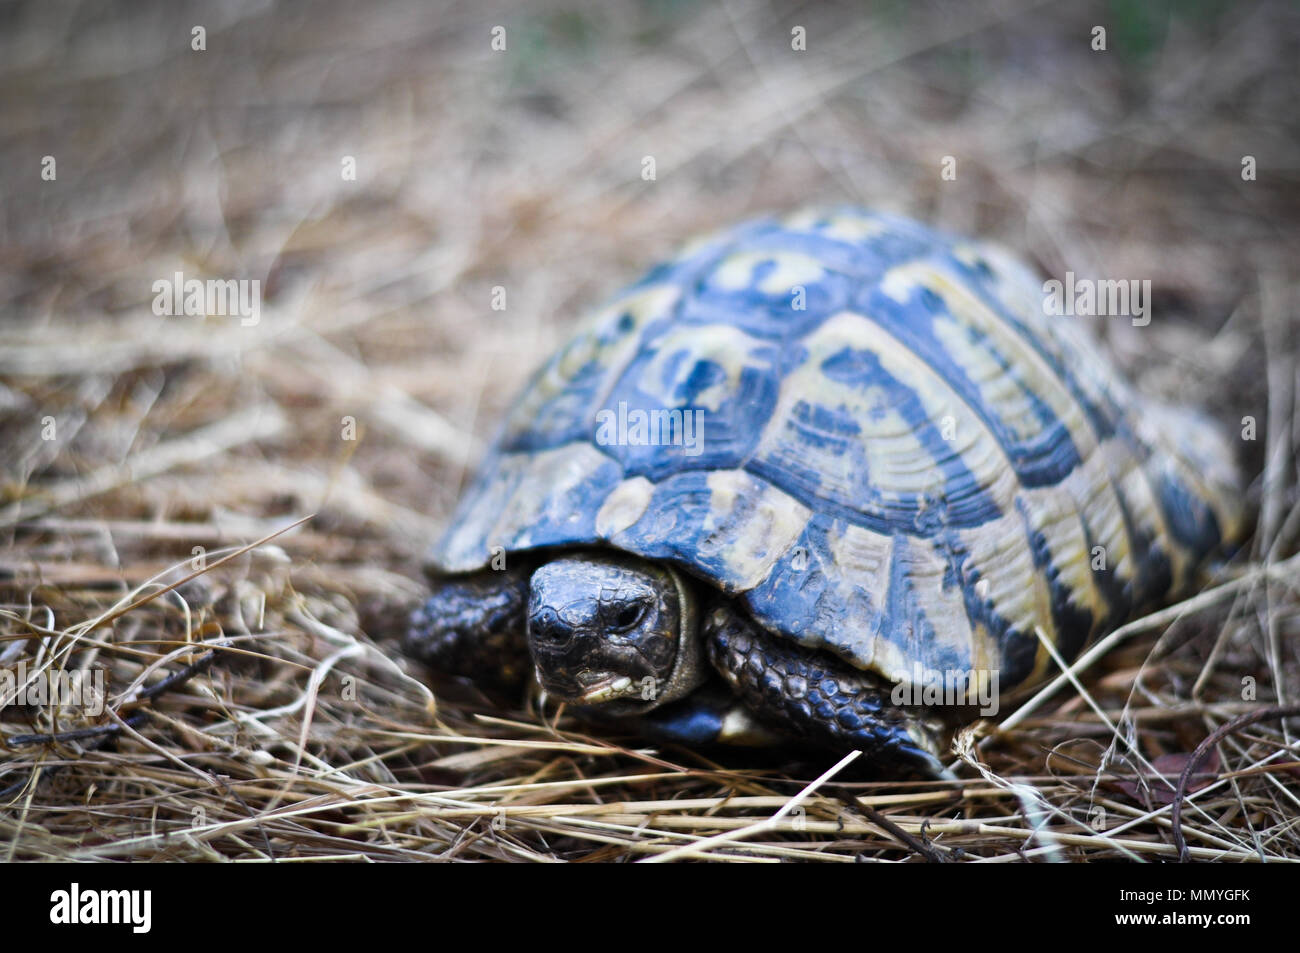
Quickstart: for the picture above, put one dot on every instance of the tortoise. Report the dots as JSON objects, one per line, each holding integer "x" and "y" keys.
{"x": 823, "y": 480}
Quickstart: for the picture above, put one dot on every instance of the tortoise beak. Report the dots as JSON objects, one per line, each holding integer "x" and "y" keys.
{"x": 606, "y": 689}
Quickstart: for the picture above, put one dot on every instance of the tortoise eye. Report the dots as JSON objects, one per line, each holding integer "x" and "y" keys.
{"x": 628, "y": 616}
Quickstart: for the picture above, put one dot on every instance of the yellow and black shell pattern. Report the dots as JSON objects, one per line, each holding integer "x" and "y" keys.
{"x": 873, "y": 437}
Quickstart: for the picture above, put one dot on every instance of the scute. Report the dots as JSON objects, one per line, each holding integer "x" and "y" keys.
{"x": 883, "y": 448}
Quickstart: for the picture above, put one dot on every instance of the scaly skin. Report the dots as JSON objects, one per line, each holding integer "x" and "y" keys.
{"x": 815, "y": 696}
{"x": 474, "y": 626}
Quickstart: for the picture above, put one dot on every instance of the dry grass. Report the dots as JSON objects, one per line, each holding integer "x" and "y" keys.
{"x": 291, "y": 730}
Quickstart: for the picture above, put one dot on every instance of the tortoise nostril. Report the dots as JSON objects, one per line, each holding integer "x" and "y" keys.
{"x": 547, "y": 628}
{"x": 555, "y": 635}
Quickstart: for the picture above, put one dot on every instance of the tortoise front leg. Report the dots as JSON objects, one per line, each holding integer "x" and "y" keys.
{"x": 820, "y": 698}
{"x": 710, "y": 715}
{"x": 475, "y": 626}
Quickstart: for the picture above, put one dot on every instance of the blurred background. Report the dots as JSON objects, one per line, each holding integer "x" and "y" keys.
{"x": 380, "y": 169}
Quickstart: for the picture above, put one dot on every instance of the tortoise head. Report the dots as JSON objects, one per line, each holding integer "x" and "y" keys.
{"x": 613, "y": 631}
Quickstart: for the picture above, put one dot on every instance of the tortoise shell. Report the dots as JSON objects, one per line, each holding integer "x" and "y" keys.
{"x": 873, "y": 437}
